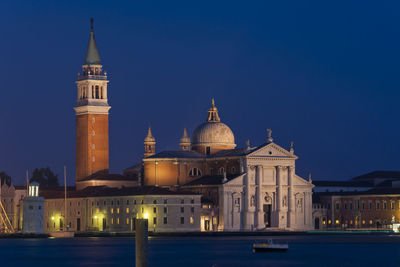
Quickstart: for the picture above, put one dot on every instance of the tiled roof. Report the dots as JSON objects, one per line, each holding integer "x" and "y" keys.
{"x": 210, "y": 180}
{"x": 103, "y": 191}
{"x": 107, "y": 176}
{"x": 342, "y": 183}
{"x": 379, "y": 174}
{"x": 373, "y": 191}
{"x": 177, "y": 154}
{"x": 194, "y": 154}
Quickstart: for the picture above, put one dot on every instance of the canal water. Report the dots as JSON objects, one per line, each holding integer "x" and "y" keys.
{"x": 309, "y": 250}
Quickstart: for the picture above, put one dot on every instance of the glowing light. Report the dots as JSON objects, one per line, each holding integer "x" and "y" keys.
{"x": 52, "y": 218}
{"x": 146, "y": 215}
{"x": 95, "y": 216}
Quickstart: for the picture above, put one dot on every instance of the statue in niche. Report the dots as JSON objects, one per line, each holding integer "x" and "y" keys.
{"x": 284, "y": 201}
{"x": 252, "y": 201}
{"x": 300, "y": 203}
{"x": 267, "y": 198}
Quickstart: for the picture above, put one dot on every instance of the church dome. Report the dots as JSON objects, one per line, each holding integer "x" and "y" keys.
{"x": 213, "y": 132}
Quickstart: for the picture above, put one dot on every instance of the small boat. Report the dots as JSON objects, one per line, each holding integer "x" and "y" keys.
{"x": 269, "y": 246}
{"x": 62, "y": 234}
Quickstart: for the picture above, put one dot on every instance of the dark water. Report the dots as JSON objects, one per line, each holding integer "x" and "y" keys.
{"x": 335, "y": 251}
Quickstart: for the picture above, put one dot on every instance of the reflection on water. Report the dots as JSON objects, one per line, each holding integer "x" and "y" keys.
{"x": 208, "y": 251}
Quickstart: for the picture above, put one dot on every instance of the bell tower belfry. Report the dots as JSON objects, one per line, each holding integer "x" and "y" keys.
{"x": 92, "y": 149}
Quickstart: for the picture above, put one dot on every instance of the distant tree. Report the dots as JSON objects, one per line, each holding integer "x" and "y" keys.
{"x": 5, "y": 178}
{"x": 45, "y": 177}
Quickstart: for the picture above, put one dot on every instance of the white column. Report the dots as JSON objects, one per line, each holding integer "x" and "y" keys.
{"x": 281, "y": 222}
{"x": 291, "y": 201}
{"x": 248, "y": 213}
{"x": 259, "y": 201}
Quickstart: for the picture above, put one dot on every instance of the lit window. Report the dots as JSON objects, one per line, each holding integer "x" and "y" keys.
{"x": 117, "y": 220}
{"x": 191, "y": 220}
{"x": 337, "y": 221}
{"x": 323, "y": 222}
{"x": 329, "y": 221}
{"x": 112, "y": 221}
{"x": 363, "y": 222}
{"x": 370, "y": 221}
{"x": 112, "y": 211}
{"x": 214, "y": 220}
{"x": 117, "y": 210}
{"x": 127, "y": 210}
{"x": 127, "y": 220}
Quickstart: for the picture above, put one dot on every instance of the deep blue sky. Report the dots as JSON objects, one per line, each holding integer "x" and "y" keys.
{"x": 324, "y": 74}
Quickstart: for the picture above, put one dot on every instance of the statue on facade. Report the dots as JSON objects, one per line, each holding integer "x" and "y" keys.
{"x": 252, "y": 201}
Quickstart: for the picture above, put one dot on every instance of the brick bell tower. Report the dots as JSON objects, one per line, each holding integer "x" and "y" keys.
{"x": 92, "y": 115}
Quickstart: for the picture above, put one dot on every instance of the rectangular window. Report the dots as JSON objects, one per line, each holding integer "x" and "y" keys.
{"x": 378, "y": 205}
{"x": 117, "y": 210}
{"x": 127, "y": 220}
{"x": 392, "y": 205}
{"x": 370, "y": 205}
{"x": 351, "y": 205}
{"x": 182, "y": 201}
{"x": 165, "y": 209}
{"x": 191, "y": 220}
{"x": 192, "y": 209}
{"x": 192, "y": 201}
{"x": 345, "y": 205}
{"x": 165, "y": 220}
{"x": 165, "y": 201}
{"x": 182, "y": 209}
{"x": 112, "y": 211}
{"x": 329, "y": 206}
{"x": 155, "y": 220}
{"x": 384, "y": 205}
{"x": 182, "y": 220}
{"x": 363, "y": 205}
{"x": 112, "y": 221}
{"x": 337, "y": 206}
{"x": 154, "y": 210}
{"x": 127, "y": 210}
{"x": 117, "y": 220}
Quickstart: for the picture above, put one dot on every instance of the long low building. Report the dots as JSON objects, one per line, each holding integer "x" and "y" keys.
{"x": 115, "y": 209}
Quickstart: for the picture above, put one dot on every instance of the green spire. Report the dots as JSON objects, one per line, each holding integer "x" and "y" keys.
{"x": 92, "y": 53}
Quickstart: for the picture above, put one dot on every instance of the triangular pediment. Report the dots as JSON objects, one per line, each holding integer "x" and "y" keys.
{"x": 271, "y": 150}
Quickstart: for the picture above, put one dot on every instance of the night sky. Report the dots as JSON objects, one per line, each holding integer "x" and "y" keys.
{"x": 323, "y": 74}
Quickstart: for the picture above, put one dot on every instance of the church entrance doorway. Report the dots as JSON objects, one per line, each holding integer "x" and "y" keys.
{"x": 316, "y": 223}
{"x": 267, "y": 215}
{"x": 104, "y": 224}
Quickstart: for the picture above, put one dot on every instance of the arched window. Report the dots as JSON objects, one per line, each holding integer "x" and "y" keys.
{"x": 194, "y": 172}
{"x": 101, "y": 91}
{"x": 233, "y": 170}
{"x": 221, "y": 171}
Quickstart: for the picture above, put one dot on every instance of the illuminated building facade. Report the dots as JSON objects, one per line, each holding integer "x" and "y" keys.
{"x": 369, "y": 201}
{"x": 251, "y": 188}
{"x": 102, "y": 209}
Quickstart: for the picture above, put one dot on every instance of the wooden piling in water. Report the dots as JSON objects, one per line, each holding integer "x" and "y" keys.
{"x": 141, "y": 240}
